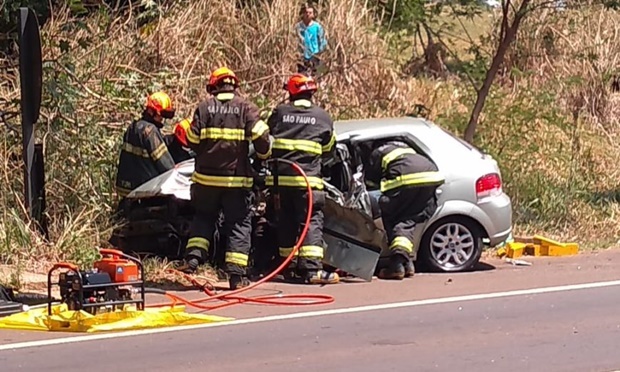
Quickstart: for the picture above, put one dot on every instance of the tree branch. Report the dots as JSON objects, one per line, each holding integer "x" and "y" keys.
{"x": 456, "y": 57}
{"x": 505, "y": 41}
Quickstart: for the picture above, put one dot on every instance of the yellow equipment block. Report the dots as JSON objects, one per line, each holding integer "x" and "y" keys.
{"x": 538, "y": 239}
{"x": 549, "y": 247}
{"x": 514, "y": 250}
{"x": 533, "y": 250}
{"x": 64, "y": 320}
{"x": 567, "y": 249}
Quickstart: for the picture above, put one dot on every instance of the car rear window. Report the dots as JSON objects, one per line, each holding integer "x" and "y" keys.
{"x": 461, "y": 141}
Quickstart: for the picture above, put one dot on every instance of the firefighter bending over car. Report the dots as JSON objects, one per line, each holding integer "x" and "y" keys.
{"x": 303, "y": 133}
{"x": 220, "y": 133}
{"x": 144, "y": 154}
{"x": 177, "y": 142}
{"x": 408, "y": 182}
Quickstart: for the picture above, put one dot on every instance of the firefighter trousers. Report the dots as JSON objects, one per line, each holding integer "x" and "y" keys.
{"x": 401, "y": 210}
{"x": 291, "y": 220}
{"x": 235, "y": 204}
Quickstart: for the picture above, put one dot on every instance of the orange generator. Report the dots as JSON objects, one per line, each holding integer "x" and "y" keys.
{"x": 108, "y": 286}
{"x": 119, "y": 269}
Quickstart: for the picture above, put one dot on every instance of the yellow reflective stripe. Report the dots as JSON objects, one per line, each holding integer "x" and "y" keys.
{"x": 307, "y": 251}
{"x": 302, "y": 103}
{"x": 225, "y": 96}
{"x": 135, "y": 150}
{"x": 400, "y": 242}
{"x": 312, "y": 251}
{"x": 236, "y": 258}
{"x": 285, "y": 252}
{"x": 418, "y": 179}
{"x": 222, "y": 181}
{"x": 295, "y": 181}
{"x": 393, "y": 155}
{"x": 160, "y": 151}
{"x": 228, "y": 134}
{"x": 192, "y": 137}
{"x": 121, "y": 191}
{"x": 265, "y": 114}
{"x": 330, "y": 144}
{"x": 298, "y": 145}
{"x": 259, "y": 129}
{"x": 197, "y": 243}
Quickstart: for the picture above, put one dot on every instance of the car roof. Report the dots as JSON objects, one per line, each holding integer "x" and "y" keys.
{"x": 379, "y": 124}
{"x": 427, "y": 132}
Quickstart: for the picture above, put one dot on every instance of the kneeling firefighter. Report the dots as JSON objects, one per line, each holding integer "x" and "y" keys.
{"x": 303, "y": 133}
{"x": 220, "y": 134}
{"x": 408, "y": 182}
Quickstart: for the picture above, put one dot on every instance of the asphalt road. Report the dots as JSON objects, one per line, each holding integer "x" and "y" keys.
{"x": 468, "y": 321}
{"x": 564, "y": 331}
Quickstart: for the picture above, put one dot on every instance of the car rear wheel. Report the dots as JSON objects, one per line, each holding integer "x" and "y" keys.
{"x": 451, "y": 244}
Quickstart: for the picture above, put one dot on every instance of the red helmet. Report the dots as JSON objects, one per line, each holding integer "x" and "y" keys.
{"x": 180, "y": 130}
{"x": 299, "y": 83}
{"x": 161, "y": 103}
{"x": 222, "y": 75}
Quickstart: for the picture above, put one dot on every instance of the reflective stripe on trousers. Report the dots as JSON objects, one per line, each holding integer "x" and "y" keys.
{"x": 402, "y": 243}
{"x": 306, "y": 251}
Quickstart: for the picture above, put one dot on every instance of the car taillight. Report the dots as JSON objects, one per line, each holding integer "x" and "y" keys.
{"x": 488, "y": 185}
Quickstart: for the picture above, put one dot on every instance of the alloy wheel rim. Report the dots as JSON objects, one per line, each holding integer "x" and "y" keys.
{"x": 452, "y": 245}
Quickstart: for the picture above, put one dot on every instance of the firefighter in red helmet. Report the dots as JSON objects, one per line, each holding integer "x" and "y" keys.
{"x": 177, "y": 141}
{"x": 144, "y": 154}
{"x": 303, "y": 132}
{"x": 222, "y": 129}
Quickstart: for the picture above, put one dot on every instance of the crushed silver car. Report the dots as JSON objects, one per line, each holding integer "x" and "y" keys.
{"x": 472, "y": 209}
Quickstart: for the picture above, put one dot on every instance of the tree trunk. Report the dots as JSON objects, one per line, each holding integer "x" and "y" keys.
{"x": 506, "y": 38}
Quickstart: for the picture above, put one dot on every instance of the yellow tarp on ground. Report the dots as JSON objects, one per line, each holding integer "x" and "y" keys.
{"x": 64, "y": 320}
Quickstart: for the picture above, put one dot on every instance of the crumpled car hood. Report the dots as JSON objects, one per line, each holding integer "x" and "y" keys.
{"x": 174, "y": 182}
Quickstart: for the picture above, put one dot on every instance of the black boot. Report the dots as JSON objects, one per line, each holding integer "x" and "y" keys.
{"x": 192, "y": 260}
{"x": 238, "y": 282}
{"x": 189, "y": 265}
{"x": 395, "y": 269}
{"x": 409, "y": 269}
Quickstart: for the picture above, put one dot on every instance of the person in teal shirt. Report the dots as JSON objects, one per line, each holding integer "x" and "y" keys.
{"x": 312, "y": 37}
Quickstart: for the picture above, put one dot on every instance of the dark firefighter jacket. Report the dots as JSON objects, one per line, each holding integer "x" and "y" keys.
{"x": 395, "y": 165}
{"x": 220, "y": 134}
{"x": 303, "y": 133}
{"x": 144, "y": 155}
{"x": 176, "y": 149}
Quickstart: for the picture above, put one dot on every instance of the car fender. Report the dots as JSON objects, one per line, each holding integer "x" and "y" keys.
{"x": 457, "y": 207}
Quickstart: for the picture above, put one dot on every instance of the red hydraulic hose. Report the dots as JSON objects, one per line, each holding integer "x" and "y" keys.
{"x": 233, "y": 298}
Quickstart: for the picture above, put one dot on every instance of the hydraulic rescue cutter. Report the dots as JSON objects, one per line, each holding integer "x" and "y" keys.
{"x": 116, "y": 280}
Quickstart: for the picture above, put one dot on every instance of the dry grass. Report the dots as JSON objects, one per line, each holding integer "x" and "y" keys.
{"x": 92, "y": 90}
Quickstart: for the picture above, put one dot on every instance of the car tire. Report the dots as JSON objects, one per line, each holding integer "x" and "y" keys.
{"x": 438, "y": 241}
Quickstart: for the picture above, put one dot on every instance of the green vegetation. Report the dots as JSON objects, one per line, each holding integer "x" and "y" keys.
{"x": 551, "y": 118}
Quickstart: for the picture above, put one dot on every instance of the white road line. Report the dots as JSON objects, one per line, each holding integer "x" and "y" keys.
{"x": 310, "y": 314}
